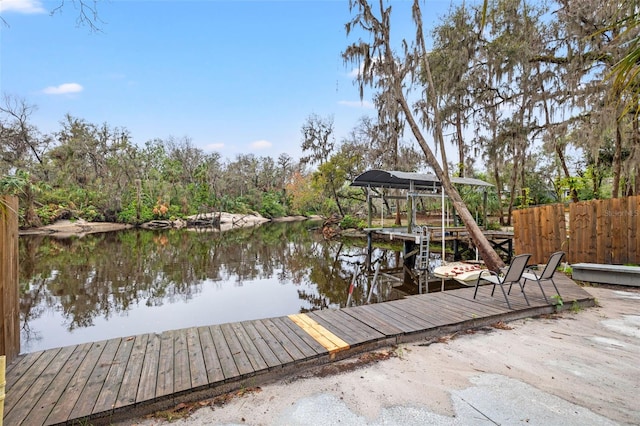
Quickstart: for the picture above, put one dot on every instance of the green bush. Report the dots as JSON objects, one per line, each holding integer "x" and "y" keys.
{"x": 271, "y": 206}
{"x": 351, "y": 222}
{"x": 129, "y": 214}
{"x": 91, "y": 214}
{"x": 493, "y": 226}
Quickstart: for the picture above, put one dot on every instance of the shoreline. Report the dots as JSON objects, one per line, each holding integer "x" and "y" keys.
{"x": 80, "y": 227}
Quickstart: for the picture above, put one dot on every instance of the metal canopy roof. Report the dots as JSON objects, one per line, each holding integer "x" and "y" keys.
{"x": 402, "y": 180}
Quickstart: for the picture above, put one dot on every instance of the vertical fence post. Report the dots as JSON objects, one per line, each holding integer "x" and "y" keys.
{"x": 9, "y": 297}
{"x": 2, "y": 383}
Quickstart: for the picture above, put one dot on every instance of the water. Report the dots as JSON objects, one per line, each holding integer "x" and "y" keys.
{"x": 118, "y": 284}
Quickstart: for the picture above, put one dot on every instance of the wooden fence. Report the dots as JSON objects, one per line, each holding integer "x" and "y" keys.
{"x": 9, "y": 304}
{"x": 598, "y": 231}
{"x": 540, "y": 231}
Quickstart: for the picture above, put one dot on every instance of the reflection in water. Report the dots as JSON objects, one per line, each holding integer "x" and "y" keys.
{"x": 136, "y": 281}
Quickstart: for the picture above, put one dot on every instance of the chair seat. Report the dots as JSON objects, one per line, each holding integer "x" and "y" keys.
{"x": 511, "y": 276}
{"x": 493, "y": 279}
{"x": 530, "y": 276}
{"x": 546, "y": 274}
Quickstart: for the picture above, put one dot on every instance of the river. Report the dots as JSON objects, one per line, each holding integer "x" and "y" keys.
{"x": 123, "y": 283}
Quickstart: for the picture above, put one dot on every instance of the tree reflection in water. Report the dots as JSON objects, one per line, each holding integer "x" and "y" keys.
{"x": 137, "y": 281}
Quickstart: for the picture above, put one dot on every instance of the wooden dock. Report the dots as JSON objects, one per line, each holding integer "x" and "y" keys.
{"x": 501, "y": 241}
{"x": 106, "y": 381}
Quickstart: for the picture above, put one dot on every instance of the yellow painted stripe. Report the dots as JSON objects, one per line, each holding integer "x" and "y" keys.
{"x": 330, "y": 341}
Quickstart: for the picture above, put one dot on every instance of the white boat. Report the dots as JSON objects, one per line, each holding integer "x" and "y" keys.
{"x": 465, "y": 273}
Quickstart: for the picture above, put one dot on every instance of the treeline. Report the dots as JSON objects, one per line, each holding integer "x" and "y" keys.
{"x": 525, "y": 91}
{"x": 96, "y": 173}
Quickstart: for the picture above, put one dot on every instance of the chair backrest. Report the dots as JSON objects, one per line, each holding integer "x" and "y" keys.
{"x": 552, "y": 265}
{"x": 516, "y": 268}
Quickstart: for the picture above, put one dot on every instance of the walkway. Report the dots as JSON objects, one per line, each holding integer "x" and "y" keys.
{"x": 119, "y": 378}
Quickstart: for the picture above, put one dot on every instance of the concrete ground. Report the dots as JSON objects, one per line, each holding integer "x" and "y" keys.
{"x": 580, "y": 367}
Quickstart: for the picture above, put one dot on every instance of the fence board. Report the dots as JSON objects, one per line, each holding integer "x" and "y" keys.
{"x": 575, "y": 222}
{"x": 600, "y": 231}
{"x": 9, "y": 305}
{"x": 537, "y": 239}
{"x": 634, "y": 231}
{"x": 539, "y": 231}
{"x": 619, "y": 253}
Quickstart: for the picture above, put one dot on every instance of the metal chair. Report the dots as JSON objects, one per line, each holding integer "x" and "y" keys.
{"x": 547, "y": 273}
{"x": 512, "y": 275}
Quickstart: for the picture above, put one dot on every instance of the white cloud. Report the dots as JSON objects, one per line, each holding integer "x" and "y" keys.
{"x": 357, "y": 104}
{"x": 261, "y": 144}
{"x": 22, "y": 6}
{"x": 217, "y": 146}
{"x": 63, "y": 89}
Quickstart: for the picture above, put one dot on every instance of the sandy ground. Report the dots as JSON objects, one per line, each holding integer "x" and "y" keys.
{"x": 573, "y": 368}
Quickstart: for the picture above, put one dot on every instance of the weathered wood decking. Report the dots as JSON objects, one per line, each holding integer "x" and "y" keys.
{"x": 118, "y": 378}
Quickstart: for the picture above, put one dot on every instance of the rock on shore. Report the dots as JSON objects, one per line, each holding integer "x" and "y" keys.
{"x": 80, "y": 227}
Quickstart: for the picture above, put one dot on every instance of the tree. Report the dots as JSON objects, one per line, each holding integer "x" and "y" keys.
{"x": 455, "y": 49}
{"x": 386, "y": 72}
{"x": 25, "y": 188}
{"x": 317, "y": 139}
{"x": 22, "y": 144}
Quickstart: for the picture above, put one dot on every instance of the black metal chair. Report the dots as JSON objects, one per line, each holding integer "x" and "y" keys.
{"x": 512, "y": 275}
{"x": 546, "y": 274}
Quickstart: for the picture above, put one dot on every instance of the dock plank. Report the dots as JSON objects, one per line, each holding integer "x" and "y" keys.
{"x": 399, "y": 318}
{"x": 373, "y": 320}
{"x": 131, "y": 376}
{"x": 431, "y": 311}
{"x": 23, "y": 383}
{"x": 400, "y": 309}
{"x": 62, "y": 411}
{"x": 229, "y": 368}
{"x": 197, "y": 366}
{"x": 181, "y": 365}
{"x": 314, "y": 345}
{"x": 210, "y": 355}
{"x": 149, "y": 373}
{"x": 309, "y": 347}
{"x": 391, "y": 318}
{"x": 237, "y": 352}
{"x": 18, "y": 368}
{"x": 249, "y": 348}
{"x": 89, "y": 395}
{"x": 165, "y": 382}
{"x": 41, "y": 410}
{"x": 274, "y": 344}
{"x": 283, "y": 340}
{"x": 353, "y": 332}
{"x": 109, "y": 394}
{"x": 261, "y": 344}
{"x": 49, "y": 399}
{"x": 326, "y": 338}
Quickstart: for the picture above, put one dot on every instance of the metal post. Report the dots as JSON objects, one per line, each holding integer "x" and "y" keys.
{"x": 442, "y": 203}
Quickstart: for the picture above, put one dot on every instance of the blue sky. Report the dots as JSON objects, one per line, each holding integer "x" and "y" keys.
{"x": 234, "y": 76}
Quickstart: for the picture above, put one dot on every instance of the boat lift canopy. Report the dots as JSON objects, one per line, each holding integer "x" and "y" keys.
{"x": 417, "y": 184}
{"x": 407, "y": 180}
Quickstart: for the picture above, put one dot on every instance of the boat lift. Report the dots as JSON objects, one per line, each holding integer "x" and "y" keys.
{"x": 416, "y": 185}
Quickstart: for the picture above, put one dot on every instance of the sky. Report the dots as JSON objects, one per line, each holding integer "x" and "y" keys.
{"x": 236, "y": 77}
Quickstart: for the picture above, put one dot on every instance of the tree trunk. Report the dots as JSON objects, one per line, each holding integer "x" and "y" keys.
{"x": 461, "y": 167}
{"x": 565, "y": 169}
{"x": 617, "y": 162}
{"x": 512, "y": 187}
{"x": 496, "y": 177}
{"x": 486, "y": 251}
{"x": 335, "y": 197}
